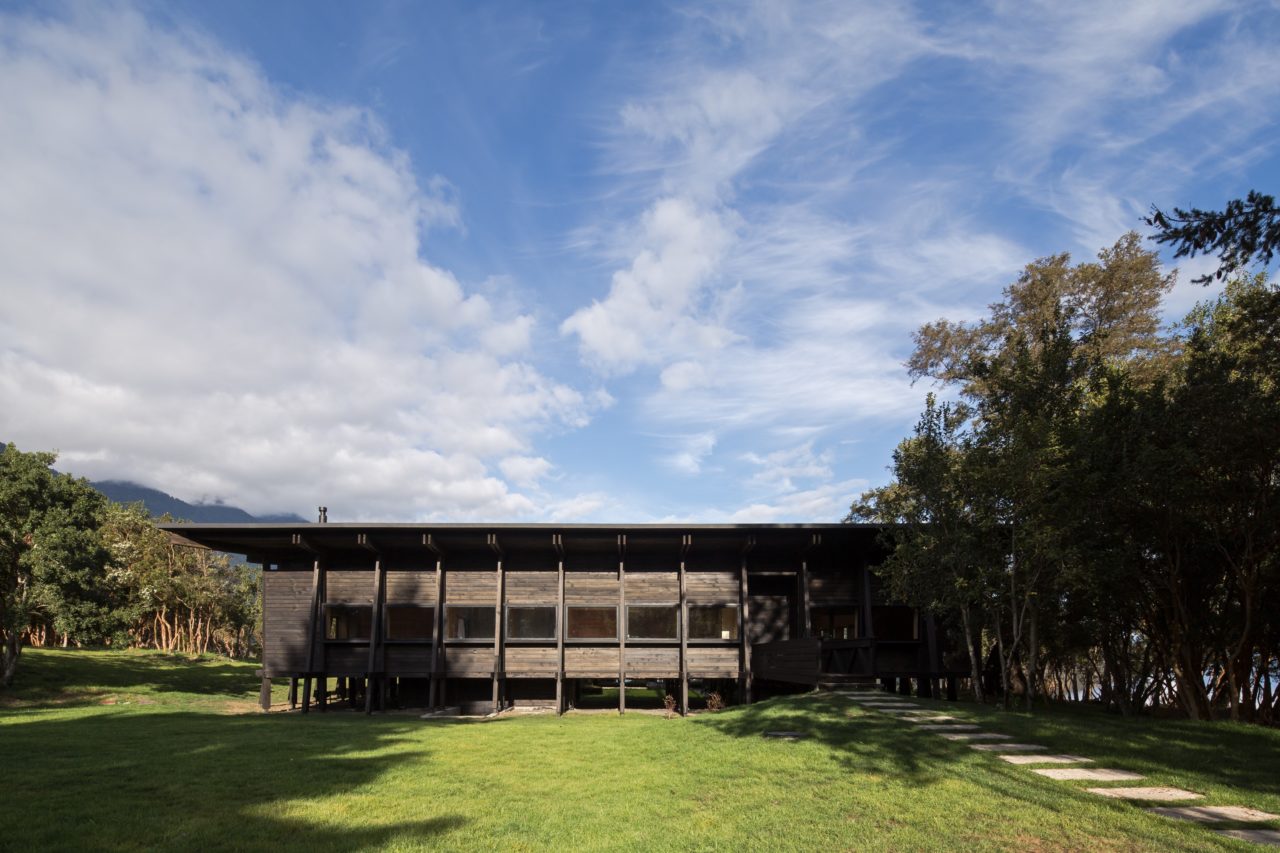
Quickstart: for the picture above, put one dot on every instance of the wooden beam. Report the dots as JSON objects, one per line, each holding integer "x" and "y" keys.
{"x": 744, "y": 620}
{"x": 372, "y": 679}
{"x": 437, "y": 622}
{"x": 622, "y": 627}
{"x": 685, "y": 545}
{"x": 317, "y": 578}
{"x": 497, "y": 624}
{"x": 559, "y": 547}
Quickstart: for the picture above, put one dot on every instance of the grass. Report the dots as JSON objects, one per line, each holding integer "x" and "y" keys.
{"x": 138, "y": 751}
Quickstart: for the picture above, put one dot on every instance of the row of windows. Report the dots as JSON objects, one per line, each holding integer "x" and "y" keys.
{"x": 644, "y": 622}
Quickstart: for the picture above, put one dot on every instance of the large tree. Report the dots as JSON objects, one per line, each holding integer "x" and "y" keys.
{"x": 51, "y": 557}
{"x": 1245, "y": 231}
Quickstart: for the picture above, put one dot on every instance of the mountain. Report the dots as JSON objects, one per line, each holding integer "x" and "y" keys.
{"x": 158, "y": 503}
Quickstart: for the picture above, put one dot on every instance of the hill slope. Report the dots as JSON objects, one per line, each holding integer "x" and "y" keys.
{"x": 158, "y": 503}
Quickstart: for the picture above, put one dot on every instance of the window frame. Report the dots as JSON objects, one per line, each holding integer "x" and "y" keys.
{"x": 737, "y": 624}
{"x": 485, "y": 607}
{"x": 570, "y": 608}
{"x": 675, "y": 638}
{"x": 509, "y": 635}
{"x": 387, "y": 607}
{"x": 330, "y": 605}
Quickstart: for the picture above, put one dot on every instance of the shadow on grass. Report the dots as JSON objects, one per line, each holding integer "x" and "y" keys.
{"x": 75, "y": 678}
{"x": 121, "y": 780}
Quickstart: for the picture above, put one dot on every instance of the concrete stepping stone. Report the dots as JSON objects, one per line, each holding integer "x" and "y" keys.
{"x": 949, "y": 727}
{"x": 903, "y": 705}
{"x": 787, "y": 735}
{"x": 905, "y": 713}
{"x": 1007, "y": 747}
{"x": 941, "y": 718}
{"x": 1043, "y": 759}
{"x": 1157, "y": 794}
{"x": 975, "y": 736}
{"x": 1257, "y": 836}
{"x": 1087, "y": 774}
{"x": 1214, "y": 814}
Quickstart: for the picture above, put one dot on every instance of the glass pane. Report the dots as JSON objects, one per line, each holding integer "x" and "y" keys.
{"x": 469, "y": 623}
{"x": 652, "y": 623}
{"x": 713, "y": 623}
{"x": 593, "y": 623}
{"x": 531, "y": 623}
{"x": 408, "y": 623}
{"x": 347, "y": 622}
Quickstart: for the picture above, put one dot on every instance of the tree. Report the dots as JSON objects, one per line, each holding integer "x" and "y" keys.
{"x": 1244, "y": 231}
{"x": 50, "y": 553}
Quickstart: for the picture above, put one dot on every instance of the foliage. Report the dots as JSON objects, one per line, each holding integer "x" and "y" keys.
{"x": 1244, "y": 231}
{"x": 1129, "y": 474}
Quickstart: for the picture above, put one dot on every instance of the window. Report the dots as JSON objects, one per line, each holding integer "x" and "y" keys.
{"x": 719, "y": 622}
{"x": 531, "y": 623}
{"x": 652, "y": 623}
{"x": 593, "y": 623}
{"x": 408, "y": 622}
{"x": 347, "y": 621}
{"x": 835, "y": 623}
{"x": 469, "y": 623}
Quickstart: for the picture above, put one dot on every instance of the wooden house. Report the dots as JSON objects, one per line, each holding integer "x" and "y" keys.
{"x": 484, "y": 617}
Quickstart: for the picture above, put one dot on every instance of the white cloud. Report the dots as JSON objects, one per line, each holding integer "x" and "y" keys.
{"x": 219, "y": 289}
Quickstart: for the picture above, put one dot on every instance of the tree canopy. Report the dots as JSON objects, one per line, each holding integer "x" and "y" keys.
{"x": 1246, "y": 230}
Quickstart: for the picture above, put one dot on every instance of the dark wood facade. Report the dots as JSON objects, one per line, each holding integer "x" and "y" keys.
{"x": 489, "y": 616}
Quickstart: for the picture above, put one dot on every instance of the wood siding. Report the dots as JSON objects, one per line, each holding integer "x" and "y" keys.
{"x": 347, "y": 587}
{"x": 711, "y": 587}
{"x": 653, "y": 588}
{"x": 832, "y": 587}
{"x": 591, "y": 588}
{"x": 713, "y": 661}
{"x": 590, "y": 662}
{"x": 286, "y": 613}
{"x": 407, "y": 658}
{"x": 652, "y": 662}
{"x": 532, "y": 587}
{"x": 473, "y": 661}
{"x": 525, "y": 661}
{"x": 411, "y": 587}
{"x": 471, "y": 588}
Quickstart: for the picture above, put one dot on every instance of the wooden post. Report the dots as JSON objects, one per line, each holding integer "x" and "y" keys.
{"x": 684, "y": 632}
{"x": 806, "y": 625}
{"x": 316, "y": 584}
{"x": 622, "y": 626}
{"x": 437, "y": 624}
{"x": 375, "y": 632}
{"x": 293, "y": 692}
{"x": 497, "y": 625}
{"x": 744, "y": 620}
{"x": 558, "y": 544}
{"x": 264, "y": 693}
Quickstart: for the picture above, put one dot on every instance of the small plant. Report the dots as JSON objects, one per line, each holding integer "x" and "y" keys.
{"x": 714, "y": 702}
{"x": 669, "y": 705}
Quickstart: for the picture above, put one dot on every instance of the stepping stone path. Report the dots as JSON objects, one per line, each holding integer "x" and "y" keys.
{"x": 1088, "y": 774}
{"x": 786, "y": 735}
{"x": 1010, "y": 747}
{"x": 1044, "y": 759}
{"x": 949, "y": 727}
{"x": 941, "y": 718}
{"x": 1257, "y": 836}
{"x": 1155, "y": 794}
{"x": 1214, "y": 814}
{"x": 975, "y": 736}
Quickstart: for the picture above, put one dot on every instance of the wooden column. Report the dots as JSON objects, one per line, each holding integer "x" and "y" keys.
{"x": 497, "y": 626}
{"x": 264, "y": 693}
{"x": 684, "y": 628}
{"x": 744, "y": 620}
{"x": 312, "y": 619}
{"x": 806, "y": 623}
{"x": 558, "y": 544}
{"x": 868, "y": 629}
{"x": 437, "y": 623}
{"x": 622, "y": 624}
{"x": 372, "y": 679}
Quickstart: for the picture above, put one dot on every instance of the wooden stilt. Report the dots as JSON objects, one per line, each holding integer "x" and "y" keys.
{"x": 306, "y": 694}
{"x": 264, "y": 694}
{"x": 293, "y": 692}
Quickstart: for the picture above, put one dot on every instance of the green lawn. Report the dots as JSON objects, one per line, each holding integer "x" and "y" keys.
{"x": 137, "y": 751}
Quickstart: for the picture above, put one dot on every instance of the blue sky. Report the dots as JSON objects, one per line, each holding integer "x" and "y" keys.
{"x": 564, "y": 262}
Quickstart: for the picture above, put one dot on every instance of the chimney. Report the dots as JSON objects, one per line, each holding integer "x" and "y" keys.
{"x": 324, "y": 515}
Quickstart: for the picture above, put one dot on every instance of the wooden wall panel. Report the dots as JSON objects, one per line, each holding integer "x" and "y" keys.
{"x": 653, "y": 587}
{"x": 285, "y": 616}
{"x": 532, "y": 587}
{"x": 833, "y": 587}
{"x": 474, "y": 661}
{"x": 470, "y": 587}
{"x": 591, "y": 588}
{"x": 711, "y": 587}
{"x": 407, "y": 658}
{"x": 531, "y": 660}
{"x": 712, "y": 662}
{"x": 652, "y": 662}
{"x": 348, "y": 587}
{"x": 590, "y": 662}
{"x": 346, "y": 659}
{"x": 411, "y": 587}
{"x": 770, "y": 618}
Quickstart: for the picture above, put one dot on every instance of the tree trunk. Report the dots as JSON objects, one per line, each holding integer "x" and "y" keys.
{"x": 9, "y": 662}
{"x": 975, "y": 664}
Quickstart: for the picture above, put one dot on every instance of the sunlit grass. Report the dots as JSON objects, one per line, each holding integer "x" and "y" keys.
{"x": 183, "y": 774}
